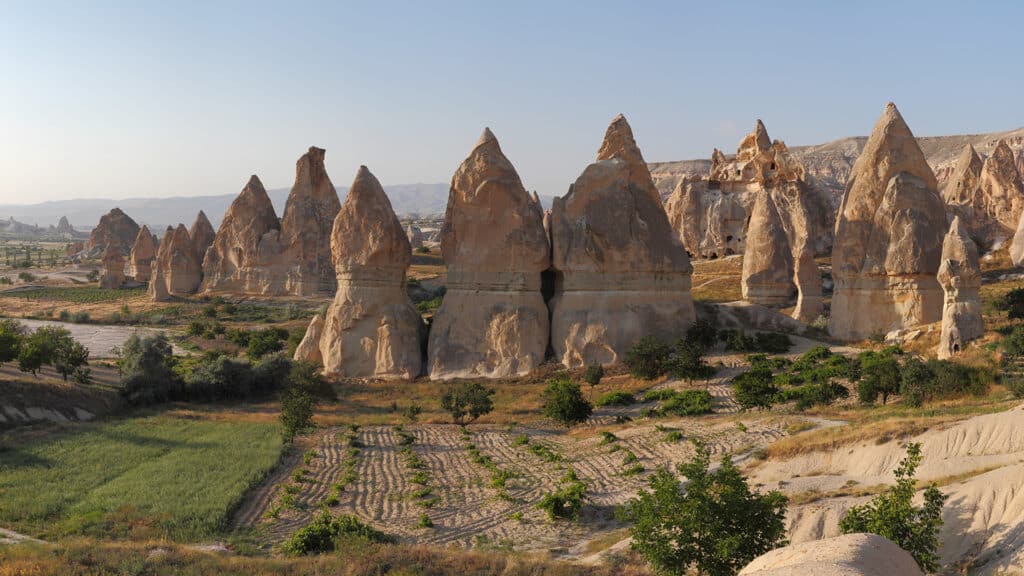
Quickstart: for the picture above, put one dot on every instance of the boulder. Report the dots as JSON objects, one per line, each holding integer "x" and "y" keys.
{"x": 620, "y": 271}
{"x": 180, "y": 270}
{"x": 960, "y": 278}
{"x": 493, "y": 321}
{"x": 202, "y": 234}
{"x": 305, "y": 239}
{"x": 114, "y": 225}
{"x": 112, "y": 275}
{"x": 143, "y": 253}
{"x": 847, "y": 555}
{"x": 250, "y": 227}
{"x": 371, "y": 328}
{"x": 888, "y": 238}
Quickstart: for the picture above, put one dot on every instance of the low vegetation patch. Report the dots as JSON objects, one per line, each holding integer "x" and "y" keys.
{"x": 325, "y": 531}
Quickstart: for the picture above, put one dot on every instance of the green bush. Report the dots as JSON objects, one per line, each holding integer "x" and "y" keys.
{"x": 467, "y": 399}
{"x": 815, "y": 394}
{"x": 1012, "y": 303}
{"x": 647, "y": 358}
{"x": 1016, "y": 387}
{"x": 616, "y": 398}
{"x": 323, "y": 533}
{"x": 687, "y": 361}
{"x": 145, "y": 363}
{"x": 755, "y": 388}
{"x": 879, "y": 376}
{"x": 770, "y": 342}
{"x": 687, "y": 403}
{"x": 703, "y": 333}
{"x": 262, "y": 342}
{"x": 567, "y": 500}
{"x": 564, "y": 402}
{"x": 12, "y": 333}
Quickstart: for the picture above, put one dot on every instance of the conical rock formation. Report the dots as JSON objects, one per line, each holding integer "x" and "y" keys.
{"x": 621, "y": 273}
{"x": 888, "y": 237}
{"x": 202, "y": 234}
{"x": 960, "y": 277}
{"x": 113, "y": 226}
{"x": 308, "y": 349}
{"x": 767, "y": 261}
{"x": 140, "y": 261}
{"x": 415, "y": 236}
{"x": 987, "y": 196}
{"x": 112, "y": 275}
{"x": 371, "y": 329}
{"x": 180, "y": 270}
{"x": 250, "y": 227}
{"x": 306, "y": 226}
{"x": 493, "y": 321}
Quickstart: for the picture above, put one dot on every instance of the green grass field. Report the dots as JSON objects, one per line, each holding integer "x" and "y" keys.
{"x": 79, "y": 294}
{"x": 157, "y": 476}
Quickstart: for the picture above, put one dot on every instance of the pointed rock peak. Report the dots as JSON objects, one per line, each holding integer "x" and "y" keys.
{"x": 366, "y": 189}
{"x": 761, "y": 136}
{"x": 968, "y": 157}
{"x": 1002, "y": 153}
{"x": 486, "y": 137}
{"x": 254, "y": 183}
{"x": 618, "y": 141}
{"x": 202, "y": 220}
{"x": 958, "y": 245}
{"x": 316, "y": 154}
{"x": 181, "y": 230}
{"x": 891, "y": 121}
{"x": 144, "y": 232}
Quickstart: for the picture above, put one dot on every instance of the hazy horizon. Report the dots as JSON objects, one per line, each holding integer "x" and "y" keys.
{"x": 137, "y": 100}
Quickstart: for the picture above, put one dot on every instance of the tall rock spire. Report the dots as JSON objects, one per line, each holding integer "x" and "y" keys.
{"x": 960, "y": 277}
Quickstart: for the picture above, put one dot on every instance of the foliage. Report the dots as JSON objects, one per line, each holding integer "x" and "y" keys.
{"x": 564, "y": 402}
{"x": 263, "y": 342}
{"x": 717, "y": 525}
{"x": 80, "y": 294}
{"x": 146, "y": 478}
{"x": 814, "y": 394}
{"x": 893, "y": 514}
{"x": 770, "y": 342}
{"x": 702, "y": 333}
{"x": 467, "y": 399}
{"x": 567, "y": 500}
{"x": 687, "y": 361}
{"x": 647, "y": 358}
{"x": 616, "y": 398}
{"x": 12, "y": 333}
{"x": 1012, "y": 303}
{"x": 879, "y": 376}
{"x": 296, "y": 411}
{"x": 755, "y": 388}
{"x": 593, "y": 374}
{"x": 322, "y": 534}
{"x": 1016, "y": 387}
{"x": 146, "y": 370}
{"x": 69, "y": 355}
{"x": 687, "y": 403}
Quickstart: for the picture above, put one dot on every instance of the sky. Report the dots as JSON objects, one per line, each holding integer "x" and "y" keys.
{"x": 155, "y": 98}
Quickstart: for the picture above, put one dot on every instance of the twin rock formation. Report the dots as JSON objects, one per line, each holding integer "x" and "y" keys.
{"x": 619, "y": 273}
{"x": 987, "y": 196}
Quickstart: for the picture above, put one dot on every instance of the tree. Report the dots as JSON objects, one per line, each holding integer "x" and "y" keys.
{"x": 593, "y": 375}
{"x": 467, "y": 399}
{"x": 703, "y": 333}
{"x": 68, "y": 356}
{"x": 687, "y": 361}
{"x": 879, "y": 376}
{"x": 564, "y": 402}
{"x": 717, "y": 525}
{"x": 1012, "y": 303}
{"x": 296, "y": 411}
{"x": 145, "y": 364}
{"x": 915, "y": 377}
{"x": 31, "y": 356}
{"x": 12, "y": 333}
{"x": 646, "y": 359}
{"x": 893, "y": 515}
{"x": 755, "y": 388}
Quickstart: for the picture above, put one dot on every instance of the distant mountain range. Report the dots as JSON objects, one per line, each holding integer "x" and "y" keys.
{"x": 828, "y": 166}
{"x": 407, "y": 200}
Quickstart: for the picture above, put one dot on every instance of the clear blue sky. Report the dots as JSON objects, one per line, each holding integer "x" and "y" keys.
{"x": 124, "y": 99}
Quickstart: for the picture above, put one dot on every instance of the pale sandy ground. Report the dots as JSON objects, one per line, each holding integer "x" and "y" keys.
{"x": 984, "y": 515}
{"x": 99, "y": 339}
{"x": 848, "y": 555}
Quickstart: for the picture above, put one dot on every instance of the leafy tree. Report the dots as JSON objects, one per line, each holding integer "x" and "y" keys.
{"x": 1012, "y": 303}
{"x": 262, "y": 342}
{"x": 145, "y": 363}
{"x": 646, "y": 359}
{"x": 69, "y": 355}
{"x": 915, "y": 377}
{"x": 32, "y": 355}
{"x": 1013, "y": 344}
{"x": 296, "y": 411}
{"x": 716, "y": 526}
{"x": 893, "y": 515}
{"x": 879, "y": 376}
{"x": 564, "y": 402}
{"x": 467, "y": 399}
{"x": 687, "y": 361}
{"x": 755, "y": 388}
{"x": 703, "y": 333}
{"x": 12, "y": 333}
{"x": 593, "y": 375}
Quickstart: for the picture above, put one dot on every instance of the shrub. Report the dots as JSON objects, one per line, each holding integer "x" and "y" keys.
{"x": 893, "y": 514}
{"x": 323, "y": 533}
{"x": 12, "y": 333}
{"x": 145, "y": 364}
{"x": 770, "y": 342}
{"x": 954, "y": 379}
{"x": 1012, "y": 303}
{"x": 647, "y": 358}
{"x": 467, "y": 399}
{"x": 815, "y": 394}
{"x": 687, "y": 361}
{"x": 879, "y": 376}
{"x": 687, "y": 403}
{"x": 296, "y": 411}
{"x": 69, "y": 355}
{"x": 716, "y": 525}
{"x": 262, "y": 342}
{"x": 567, "y": 500}
{"x": 1016, "y": 387}
{"x": 564, "y": 402}
{"x": 425, "y": 521}
{"x": 703, "y": 333}
{"x": 755, "y": 388}
{"x": 616, "y": 398}
{"x": 915, "y": 380}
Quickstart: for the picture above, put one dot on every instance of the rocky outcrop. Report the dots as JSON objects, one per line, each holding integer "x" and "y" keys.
{"x": 493, "y": 321}
{"x": 254, "y": 253}
{"x": 308, "y": 349}
{"x": 620, "y": 271}
{"x": 64, "y": 228}
{"x": 371, "y": 328}
{"x": 767, "y": 277}
{"x": 202, "y": 234}
{"x": 415, "y": 236}
{"x": 960, "y": 278}
{"x": 888, "y": 237}
{"x": 847, "y": 555}
{"x": 249, "y": 229}
{"x": 140, "y": 261}
{"x": 306, "y": 230}
{"x": 987, "y": 196}
{"x": 114, "y": 226}
{"x": 112, "y": 275}
{"x": 180, "y": 270}
{"x": 712, "y": 215}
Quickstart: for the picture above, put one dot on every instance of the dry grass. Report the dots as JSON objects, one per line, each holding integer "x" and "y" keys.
{"x": 357, "y": 558}
{"x": 717, "y": 280}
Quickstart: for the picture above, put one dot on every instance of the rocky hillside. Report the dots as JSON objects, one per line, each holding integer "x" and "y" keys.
{"x": 828, "y": 165}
